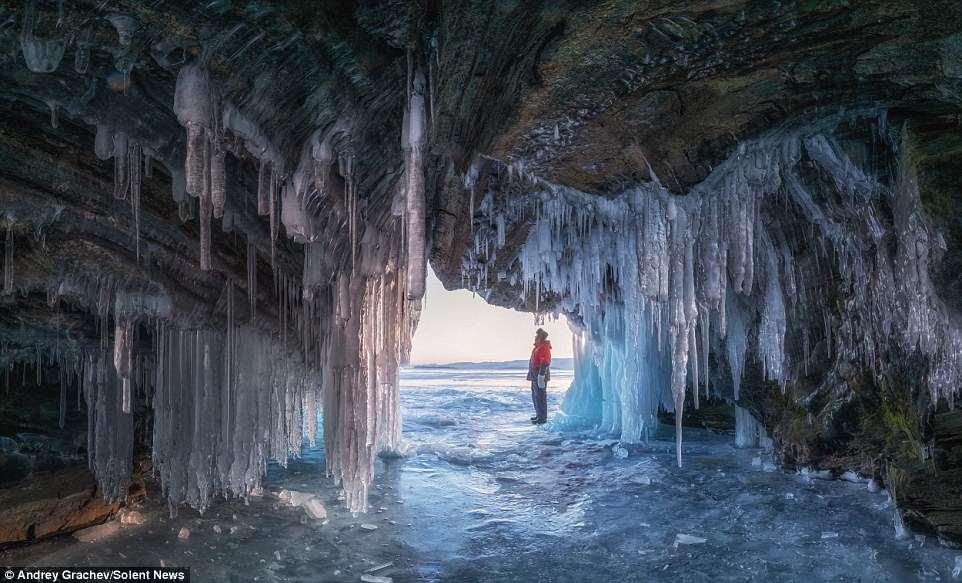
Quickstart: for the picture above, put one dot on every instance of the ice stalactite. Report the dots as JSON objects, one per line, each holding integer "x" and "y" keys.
{"x": 41, "y": 55}
{"x": 705, "y": 273}
{"x": 218, "y": 181}
{"x": 252, "y": 278}
{"x": 192, "y": 105}
{"x": 135, "y": 169}
{"x": 123, "y": 360}
{"x": 204, "y": 217}
{"x": 412, "y": 143}
{"x": 85, "y": 42}
{"x": 54, "y": 114}
{"x": 8, "y": 260}
{"x": 273, "y": 215}
{"x": 196, "y": 105}
{"x": 736, "y": 346}
{"x": 130, "y": 162}
{"x": 264, "y": 177}
{"x": 121, "y": 179}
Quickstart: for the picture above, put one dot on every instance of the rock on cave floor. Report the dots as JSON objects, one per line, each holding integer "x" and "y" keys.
{"x": 484, "y": 496}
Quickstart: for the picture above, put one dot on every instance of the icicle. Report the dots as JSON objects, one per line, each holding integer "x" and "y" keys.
{"x": 194, "y": 163}
{"x": 274, "y": 216}
{"x": 148, "y": 165}
{"x": 123, "y": 361}
{"x": 252, "y": 278}
{"x": 264, "y": 179}
{"x": 54, "y": 114}
{"x": 62, "y": 418}
{"x": 414, "y": 174}
{"x": 135, "y": 166}
{"x": 192, "y": 105}
{"x": 82, "y": 56}
{"x": 8, "y": 261}
{"x": 218, "y": 181}
{"x": 205, "y": 234}
{"x": 121, "y": 179}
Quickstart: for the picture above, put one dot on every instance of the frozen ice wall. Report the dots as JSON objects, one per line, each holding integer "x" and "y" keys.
{"x": 656, "y": 283}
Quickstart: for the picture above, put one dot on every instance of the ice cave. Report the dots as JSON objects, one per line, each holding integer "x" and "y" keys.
{"x": 227, "y": 225}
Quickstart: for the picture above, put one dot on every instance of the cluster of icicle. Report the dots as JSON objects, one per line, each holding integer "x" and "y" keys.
{"x": 90, "y": 371}
{"x": 225, "y": 403}
{"x": 132, "y": 163}
{"x": 354, "y": 324}
{"x": 231, "y": 391}
{"x": 373, "y": 322}
{"x": 44, "y": 55}
{"x": 654, "y": 281}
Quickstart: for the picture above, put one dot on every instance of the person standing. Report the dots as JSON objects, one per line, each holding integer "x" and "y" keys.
{"x": 539, "y": 373}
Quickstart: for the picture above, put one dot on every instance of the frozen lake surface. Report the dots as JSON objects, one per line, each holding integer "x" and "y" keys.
{"x": 485, "y": 496}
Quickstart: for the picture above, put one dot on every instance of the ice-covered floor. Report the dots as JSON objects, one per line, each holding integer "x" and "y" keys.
{"x": 485, "y": 496}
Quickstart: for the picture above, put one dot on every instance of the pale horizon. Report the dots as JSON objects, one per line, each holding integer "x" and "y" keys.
{"x": 459, "y": 326}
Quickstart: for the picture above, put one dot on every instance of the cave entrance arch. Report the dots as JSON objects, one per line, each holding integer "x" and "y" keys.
{"x": 460, "y": 326}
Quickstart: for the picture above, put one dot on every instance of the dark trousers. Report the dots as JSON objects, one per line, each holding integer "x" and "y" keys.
{"x": 539, "y": 397}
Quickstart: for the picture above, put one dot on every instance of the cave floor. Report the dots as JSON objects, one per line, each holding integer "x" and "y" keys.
{"x": 485, "y": 496}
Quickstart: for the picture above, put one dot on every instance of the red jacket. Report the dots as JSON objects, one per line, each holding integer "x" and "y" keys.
{"x": 540, "y": 360}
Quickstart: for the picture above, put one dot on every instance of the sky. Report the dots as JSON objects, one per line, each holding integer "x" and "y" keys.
{"x": 458, "y": 326}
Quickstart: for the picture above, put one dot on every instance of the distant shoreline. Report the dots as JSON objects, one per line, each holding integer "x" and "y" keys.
{"x": 561, "y": 363}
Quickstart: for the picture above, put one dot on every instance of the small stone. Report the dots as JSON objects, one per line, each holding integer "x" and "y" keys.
{"x": 277, "y": 555}
{"x": 218, "y": 529}
{"x": 131, "y": 518}
{"x": 368, "y": 526}
{"x": 315, "y": 509}
{"x": 184, "y": 533}
{"x": 375, "y": 579}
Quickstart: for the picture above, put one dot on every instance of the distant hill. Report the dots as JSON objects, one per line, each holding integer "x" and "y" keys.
{"x": 560, "y": 363}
